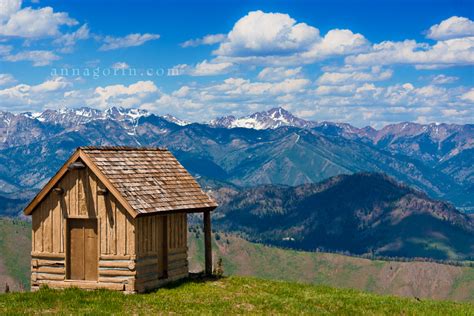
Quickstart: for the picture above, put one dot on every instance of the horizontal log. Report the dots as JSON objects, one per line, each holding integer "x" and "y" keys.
{"x": 116, "y": 272}
{"x": 177, "y": 256}
{"x": 147, "y": 269}
{"x": 177, "y": 264}
{"x": 49, "y": 276}
{"x": 115, "y": 257}
{"x": 147, "y": 256}
{"x": 54, "y": 270}
{"x": 123, "y": 280}
{"x": 115, "y": 264}
{"x": 146, "y": 278}
{"x": 88, "y": 285}
{"x": 178, "y": 271}
{"x": 49, "y": 263}
{"x": 50, "y": 255}
{"x": 147, "y": 262}
{"x": 177, "y": 250}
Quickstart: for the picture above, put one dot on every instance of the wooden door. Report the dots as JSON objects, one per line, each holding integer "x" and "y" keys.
{"x": 82, "y": 249}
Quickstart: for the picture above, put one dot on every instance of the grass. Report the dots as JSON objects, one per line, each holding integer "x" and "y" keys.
{"x": 420, "y": 279}
{"x": 232, "y": 295}
{"x": 240, "y": 257}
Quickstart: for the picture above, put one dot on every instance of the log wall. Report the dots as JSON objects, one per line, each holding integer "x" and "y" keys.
{"x": 161, "y": 250}
{"x": 80, "y": 199}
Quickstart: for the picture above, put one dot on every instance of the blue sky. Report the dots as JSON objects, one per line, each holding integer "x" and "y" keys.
{"x": 362, "y": 62}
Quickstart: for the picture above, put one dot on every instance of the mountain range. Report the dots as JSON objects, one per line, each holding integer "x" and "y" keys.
{"x": 363, "y": 213}
{"x": 274, "y": 147}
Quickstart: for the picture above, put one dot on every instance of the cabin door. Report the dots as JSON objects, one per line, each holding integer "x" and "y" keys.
{"x": 82, "y": 250}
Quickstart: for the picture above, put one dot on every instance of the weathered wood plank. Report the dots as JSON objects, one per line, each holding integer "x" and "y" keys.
{"x": 87, "y": 285}
{"x": 177, "y": 256}
{"x": 116, "y": 272}
{"x": 49, "y": 276}
{"x": 115, "y": 257}
{"x": 116, "y": 264}
{"x": 37, "y": 229}
{"x": 50, "y": 255}
{"x": 123, "y": 280}
{"x": 151, "y": 268}
{"x": 43, "y": 262}
{"x": 177, "y": 250}
{"x": 177, "y": 264}
{"x": 121, "y": 233}
{"x": 53, "y": 270}
{"x": 177, "y": 271}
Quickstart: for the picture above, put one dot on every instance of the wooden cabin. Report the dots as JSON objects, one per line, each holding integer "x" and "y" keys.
{"x": 116, "y": 218}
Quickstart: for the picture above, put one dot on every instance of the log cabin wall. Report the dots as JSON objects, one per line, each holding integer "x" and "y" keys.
{"x": 80, "y": 199}
{"x": 161, "y": 250}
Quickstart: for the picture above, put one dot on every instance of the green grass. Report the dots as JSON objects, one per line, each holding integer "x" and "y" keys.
{"x": 233, "y": 295}
{"x": 412, "y": 279}
{"x": 244, "y": 258}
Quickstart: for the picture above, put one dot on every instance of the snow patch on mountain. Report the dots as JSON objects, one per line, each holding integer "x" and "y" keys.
{"x": 173, "y": 119}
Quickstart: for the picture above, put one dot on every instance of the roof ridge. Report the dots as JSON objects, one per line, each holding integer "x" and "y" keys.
{"x": 121, "y": 148}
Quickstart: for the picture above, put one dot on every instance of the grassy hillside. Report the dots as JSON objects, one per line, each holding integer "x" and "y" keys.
{"x": 412, "y": 279}
{"x": 240, "y": 257}
{"x": 15, "y": 248}
{"x": 233, "y": 295}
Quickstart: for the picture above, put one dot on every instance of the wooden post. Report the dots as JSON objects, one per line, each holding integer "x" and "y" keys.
{"x": 207, "y": 242}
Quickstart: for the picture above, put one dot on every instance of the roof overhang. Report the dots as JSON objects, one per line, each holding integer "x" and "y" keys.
{"x": 73, "y": 163}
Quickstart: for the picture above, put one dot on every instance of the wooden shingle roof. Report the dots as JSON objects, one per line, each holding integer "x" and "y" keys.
{"x": 150, "y": 179}
{"x": 146, "y": 180}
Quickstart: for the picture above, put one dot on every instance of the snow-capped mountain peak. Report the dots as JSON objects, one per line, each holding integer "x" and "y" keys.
{"x": 175, "y": 120}
{"x": 270, "y": 119}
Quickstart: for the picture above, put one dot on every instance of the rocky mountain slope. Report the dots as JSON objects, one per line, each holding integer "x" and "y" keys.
{"x": 364, "y": 213}
{"x": 33, "y": 145}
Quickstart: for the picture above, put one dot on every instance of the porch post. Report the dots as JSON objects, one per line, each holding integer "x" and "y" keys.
{"x": 207, "y": 242}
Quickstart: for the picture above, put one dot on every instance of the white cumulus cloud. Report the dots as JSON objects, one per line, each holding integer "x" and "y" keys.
{"x": 278, "y": 39}
{"x": 454, "y": 27}
{"x": 32, "y": 23}
{"x": 457, "y": 51}
{"x": 131, "y": 40}
{"x": 121, "y": 95}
